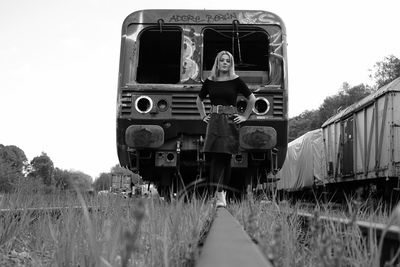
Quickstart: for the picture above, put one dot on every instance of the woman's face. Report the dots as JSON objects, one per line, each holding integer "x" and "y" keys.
{"x": 224, "y": 63}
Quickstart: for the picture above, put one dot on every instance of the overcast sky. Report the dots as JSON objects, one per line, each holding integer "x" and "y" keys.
{"x": 59, "y": 65}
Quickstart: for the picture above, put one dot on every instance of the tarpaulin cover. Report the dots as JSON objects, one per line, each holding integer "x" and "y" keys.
{"x": 305, "y": 162}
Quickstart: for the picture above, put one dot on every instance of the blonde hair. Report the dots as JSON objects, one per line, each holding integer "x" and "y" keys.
{"x": 215, "y": 69}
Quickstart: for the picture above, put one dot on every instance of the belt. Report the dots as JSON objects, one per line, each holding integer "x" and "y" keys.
{"x": 221, "y": 109}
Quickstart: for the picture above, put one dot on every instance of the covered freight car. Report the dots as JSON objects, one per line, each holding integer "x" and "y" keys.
{"x": 305, "y": 163}
{"x": 363, "y": 140}
{"x": 358, "y": 148}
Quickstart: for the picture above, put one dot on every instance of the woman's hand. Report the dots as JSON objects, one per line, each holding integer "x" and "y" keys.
{"x": 239, "y": 118}
{"x": 206, "y": 118}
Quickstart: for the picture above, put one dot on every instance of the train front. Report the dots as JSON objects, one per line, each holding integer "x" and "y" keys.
{"x": 165, "y": 56}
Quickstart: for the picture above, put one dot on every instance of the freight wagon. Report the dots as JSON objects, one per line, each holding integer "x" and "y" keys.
{"x": 360, "y": 148}
{"x": 363, "y": 141}
{"x": 121, "y": 183}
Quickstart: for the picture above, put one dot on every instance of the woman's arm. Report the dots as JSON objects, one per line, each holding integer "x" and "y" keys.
{"x": 249, "y": 107}
{"x": 202, "y": 109}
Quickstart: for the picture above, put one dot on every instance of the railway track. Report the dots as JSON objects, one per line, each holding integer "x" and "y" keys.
{"x": 227, "y": 244}
{"x": 35, "y": 213}
{"x": 388, "y": 235}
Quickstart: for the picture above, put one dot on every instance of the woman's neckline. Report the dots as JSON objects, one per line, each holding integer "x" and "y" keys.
{"x": 224, "y": 80}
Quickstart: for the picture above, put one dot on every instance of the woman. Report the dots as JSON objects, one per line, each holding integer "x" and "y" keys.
{"x": 222, "y": 136}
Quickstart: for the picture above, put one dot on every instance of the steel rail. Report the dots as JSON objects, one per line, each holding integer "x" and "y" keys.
{"x": 48, "y": 209}
{"x": 37, "y": 212}
{"x": 227, "y": 244}
{"x": 390, "y": 234}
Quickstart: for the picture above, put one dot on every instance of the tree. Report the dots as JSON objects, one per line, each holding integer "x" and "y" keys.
{"x": 71, "y": 180}
{"x": 311, "y": 120}
{"x": 13, "y": 162}
{"x": 306, "y": 121}
{"x": 103, "y": 182}
{"x": 356, "y": 93}
{"x": 346, "y": 97}
{"x": 385, "y": 71}
{"x": 42, "y": 168}
{"x": 61, "y": 179}
{"x": 79, "y": 180}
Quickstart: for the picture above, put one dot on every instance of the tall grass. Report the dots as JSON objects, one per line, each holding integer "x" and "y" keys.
{"x": 279, "y": 232}
{"x": 141, "y": 232}
{"x": 151, "y": 232}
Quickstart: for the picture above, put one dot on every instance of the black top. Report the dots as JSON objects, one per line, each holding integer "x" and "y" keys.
{"x": 224, "y": 92}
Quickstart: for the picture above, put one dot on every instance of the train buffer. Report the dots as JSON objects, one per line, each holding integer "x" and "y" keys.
{"x": 227, "y": 244}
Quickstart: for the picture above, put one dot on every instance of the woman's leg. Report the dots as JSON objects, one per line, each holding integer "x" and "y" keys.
{"x": 220, "y": 171}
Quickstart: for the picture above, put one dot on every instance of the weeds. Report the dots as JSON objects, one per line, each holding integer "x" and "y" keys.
{"x": 150, "y": 232}
{"x": 283, "y": 238}
{"x": 141, "y": 232}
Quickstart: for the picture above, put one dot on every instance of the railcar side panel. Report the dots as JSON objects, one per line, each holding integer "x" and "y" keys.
{"x": 382, "y": 141}
{"x": 337, "y": 148}
{"x": 361, "y": 148}
{"x": 395, "y": 127}
{"x": 363, "y": 143}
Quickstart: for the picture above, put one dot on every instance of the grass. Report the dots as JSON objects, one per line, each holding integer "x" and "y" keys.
{"x": 150, "y": 232}
{"x": 141, "y": 232}
{"x": 278, "y": 231}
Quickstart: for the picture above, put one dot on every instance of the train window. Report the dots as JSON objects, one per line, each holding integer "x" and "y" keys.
{"x": 248, "y": 45}
{"x": 159, "y": 55}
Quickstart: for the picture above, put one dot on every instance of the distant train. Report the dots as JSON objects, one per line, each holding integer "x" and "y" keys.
{"x": 122, "y": 183}
{"x": 165, "y": 56}
{"x": 358, "y": 148}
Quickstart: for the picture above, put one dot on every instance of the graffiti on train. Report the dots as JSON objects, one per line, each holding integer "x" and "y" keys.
{"x": 243, "y": 17}
{"x": 203, "y": 18}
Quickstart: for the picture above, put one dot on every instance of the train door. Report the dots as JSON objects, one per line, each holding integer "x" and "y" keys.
{"x": 348, "y": 137}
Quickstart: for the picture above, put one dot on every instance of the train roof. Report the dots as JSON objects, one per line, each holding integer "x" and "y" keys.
{"x": 393, "y": 86}
{"x": 191, "y": 16}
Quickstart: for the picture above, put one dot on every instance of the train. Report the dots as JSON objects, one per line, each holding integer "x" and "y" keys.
{"x": 122, "y": 183}
{"x": 165, "y": 56}
{"x": 356, "y": 151}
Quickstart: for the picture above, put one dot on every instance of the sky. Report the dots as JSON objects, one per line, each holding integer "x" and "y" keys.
{"x": 59, "y": 65}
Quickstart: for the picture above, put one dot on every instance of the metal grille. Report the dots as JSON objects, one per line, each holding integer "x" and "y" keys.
{"x": 126, "y": 103}
{"x": 184, "y": 105}
{"x": 278, "y": 106}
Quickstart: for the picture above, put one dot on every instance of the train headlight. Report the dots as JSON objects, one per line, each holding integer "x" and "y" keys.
{"x": 162, "y": 105}
{"x": 261, "y": 106}
{"x": 143, "y": 104}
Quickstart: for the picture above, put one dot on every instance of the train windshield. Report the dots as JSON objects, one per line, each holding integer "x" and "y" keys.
{"x": 159, "y": 55}
{"x": 249, "y": 46}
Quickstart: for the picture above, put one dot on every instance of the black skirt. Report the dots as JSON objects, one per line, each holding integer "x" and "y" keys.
{"x": 222, "y": 134}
